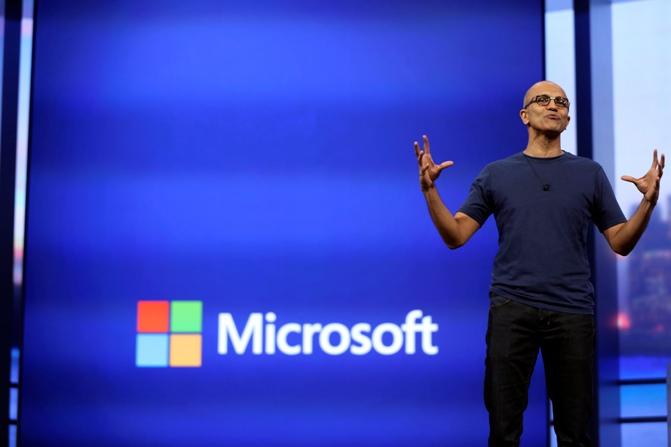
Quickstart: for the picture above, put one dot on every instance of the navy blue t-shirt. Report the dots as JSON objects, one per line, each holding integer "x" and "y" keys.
{"x": 542, "y": 259}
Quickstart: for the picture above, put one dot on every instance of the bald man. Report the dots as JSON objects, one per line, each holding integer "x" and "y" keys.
{"x": 543, "y": 200}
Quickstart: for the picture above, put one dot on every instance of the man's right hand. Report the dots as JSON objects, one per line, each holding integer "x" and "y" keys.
{"x": 429, "y": 171}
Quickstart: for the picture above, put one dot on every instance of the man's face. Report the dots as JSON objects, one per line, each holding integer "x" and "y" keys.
{"x": 551, "y": 117}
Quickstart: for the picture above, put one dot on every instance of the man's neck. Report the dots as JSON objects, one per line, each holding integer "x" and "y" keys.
{"x": 543, "y": 146}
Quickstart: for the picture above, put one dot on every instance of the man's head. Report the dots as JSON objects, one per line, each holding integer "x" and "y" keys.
{"x": 543, "y": 116}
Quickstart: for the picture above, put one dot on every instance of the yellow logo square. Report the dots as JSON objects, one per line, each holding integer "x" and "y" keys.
{"x": 185, "y": 350}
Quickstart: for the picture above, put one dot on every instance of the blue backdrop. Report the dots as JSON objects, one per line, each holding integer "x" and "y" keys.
{"x": 258, "y": 157}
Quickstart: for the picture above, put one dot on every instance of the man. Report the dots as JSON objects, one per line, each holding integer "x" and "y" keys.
{"x": 543, "y": 200}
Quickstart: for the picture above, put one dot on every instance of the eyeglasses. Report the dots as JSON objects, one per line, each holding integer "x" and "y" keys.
{"x": 544, "y": 100}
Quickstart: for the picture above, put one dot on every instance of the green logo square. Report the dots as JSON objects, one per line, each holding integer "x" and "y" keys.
{"x": 186, "y": 316}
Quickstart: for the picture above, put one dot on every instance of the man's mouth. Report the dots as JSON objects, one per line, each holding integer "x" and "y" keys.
{"x": 553, "y": 116}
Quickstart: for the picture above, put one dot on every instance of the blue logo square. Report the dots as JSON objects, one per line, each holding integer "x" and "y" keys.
{"x": 151, "y": 350}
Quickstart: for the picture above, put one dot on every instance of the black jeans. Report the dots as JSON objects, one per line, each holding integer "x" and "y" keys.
{"x": 514, "y": 335}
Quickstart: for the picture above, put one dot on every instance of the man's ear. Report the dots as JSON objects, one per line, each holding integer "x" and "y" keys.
{"x": 568, "y": 120}
{"x": 524, "y": 116}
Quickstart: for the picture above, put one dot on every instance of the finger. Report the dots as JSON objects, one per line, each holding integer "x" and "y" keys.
{"x": 445, "y": 164}
{"x": 415, "y": 145}
{"x": 654, "y": 158}
{"x": 628, "y": 178}
{"x": 660, "y": 166}
{"x": 426, "y": 158}
{"x": 420, "y": 159}
{"x": 427, "y": 146}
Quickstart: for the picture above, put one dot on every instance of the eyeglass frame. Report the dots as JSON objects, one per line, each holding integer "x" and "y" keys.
{"x": 535, "y": 100}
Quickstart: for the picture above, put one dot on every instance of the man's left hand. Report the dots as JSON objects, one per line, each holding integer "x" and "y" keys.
{"x": 649, "y": 183}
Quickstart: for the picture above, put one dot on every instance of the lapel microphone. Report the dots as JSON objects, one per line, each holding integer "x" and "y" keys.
{"x": 544, "y": 186}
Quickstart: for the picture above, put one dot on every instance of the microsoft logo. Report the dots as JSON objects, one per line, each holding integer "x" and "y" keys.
{"x": 169, "y": 334}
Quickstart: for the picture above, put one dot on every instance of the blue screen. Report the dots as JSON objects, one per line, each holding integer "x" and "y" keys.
{"x": 257, "y": 158}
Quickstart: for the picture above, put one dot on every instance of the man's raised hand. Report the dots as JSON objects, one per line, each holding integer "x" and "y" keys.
{"x": 429, "y": 171}
{"x": 648, "y": 185}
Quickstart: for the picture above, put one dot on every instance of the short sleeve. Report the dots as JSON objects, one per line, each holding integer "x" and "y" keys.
{"x": 606, "y": 212}
{"x": 478, "y": 204}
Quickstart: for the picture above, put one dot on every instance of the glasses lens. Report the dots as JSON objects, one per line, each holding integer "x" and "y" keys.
{"x": 561, "y": 101}
{"x": 543, "y": 100}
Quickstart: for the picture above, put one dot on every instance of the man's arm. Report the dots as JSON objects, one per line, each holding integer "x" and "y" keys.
{"x": 455, "y": 230}
{"x": 622, "y": 238}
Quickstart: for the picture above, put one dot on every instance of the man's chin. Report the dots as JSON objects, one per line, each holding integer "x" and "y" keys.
{"x": 553, "y": 132}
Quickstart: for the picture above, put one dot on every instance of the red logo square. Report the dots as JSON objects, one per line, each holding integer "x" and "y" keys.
{"x": 153, "y": 316}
